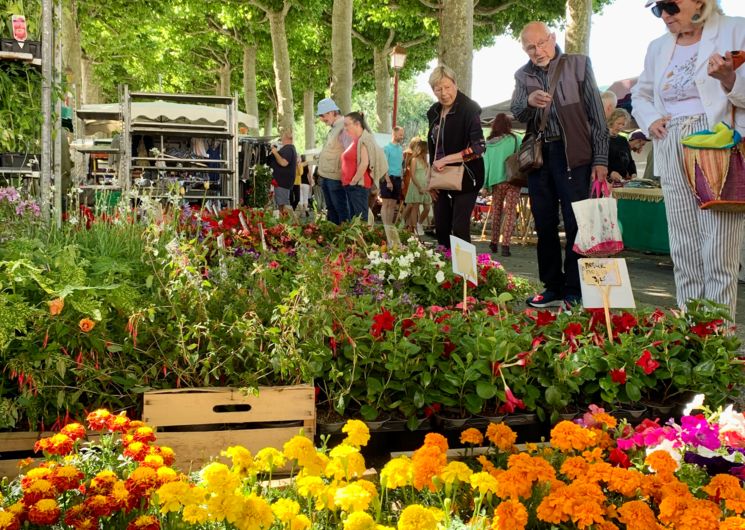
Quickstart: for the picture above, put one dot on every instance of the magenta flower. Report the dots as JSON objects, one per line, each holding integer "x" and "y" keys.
{"x": 696, "y": 431}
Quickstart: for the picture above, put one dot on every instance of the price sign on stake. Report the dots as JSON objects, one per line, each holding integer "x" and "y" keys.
{"x": 605, "y": 283}
{"x": 464, "y": 264}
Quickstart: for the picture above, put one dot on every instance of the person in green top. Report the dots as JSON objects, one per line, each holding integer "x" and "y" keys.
{"x": 500, "y": 144}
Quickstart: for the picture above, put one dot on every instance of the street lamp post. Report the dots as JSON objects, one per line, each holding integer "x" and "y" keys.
{"x": 398, "y": 58}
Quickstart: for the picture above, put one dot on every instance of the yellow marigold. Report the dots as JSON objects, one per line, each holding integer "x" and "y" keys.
{"x": 285, "y": 510}
{"x": 359, "y": 521}
{"x": 483, "y": 482}
{"x": 301, "y": 449}
{"x": 397, "y": 473}
{"x": 194, "y": 514}
{"x": 434, "y": 439}
{"x": 166, "y": 474}
{"x": 471, "y": 436}
{"x": 315, "y": 464}
{"x": 426, "y": 463}
{"x": 417, "y": 517}
{"x": 357, "y": 433}
{"x": 352, "y": 498}
{"x": 325, "y": 498}
{"x": 732, "y": 523}
{"x": 727, "y": 487}
{"x": 170, "y": 495}
{"x": 510, "y": 515}
{"x": 243, "y": 462}
{"x": 501, "y": 436}
{"x": 369, "y": 486}
{"x": 567, "y": 436}
{"x": 268, "y": 459}
{"x": 225, "y": 506}
{"x": 455, "y": 471}
{"x": 573, "y": 467}
{"x": 342, "y": 451}
{"x": 257, "y": 514}
{"x": 346, "y": 468}
{"x": 301, "y": 522}
{"x": 637, "y": 515}
{"x": 310, "y": 486}
{"x": 661, "y": 463}
{"x": 219, "y": 479}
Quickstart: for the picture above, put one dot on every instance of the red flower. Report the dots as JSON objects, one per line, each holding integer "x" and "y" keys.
{"x": 646, "y": 363}
{"x": 492, "y": 309}
{"x": 624, "y": 322}
{"x": 511, "y": 402}
{"x": 382, "y": 322}
{"x": 618, "y": 375}
{"x": 619, "y": 459}
{"x": 408, "y": 326}
{"x": 496, "y": 368}
{"x": 537, "y": 341}
{"x": 705, "y": 329}
{"x": 429, "y": 410}
{"x": 572, "y": 330}
{"x": 448, "y": 348}
{"x": 273, "y": 265}
{"x": 544, "y": 318}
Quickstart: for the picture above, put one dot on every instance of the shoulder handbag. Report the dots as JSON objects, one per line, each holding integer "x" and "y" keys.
{"x": 531, "y": 150}
{"x": 515, "y": 177}
{"x": 451, "y": 177}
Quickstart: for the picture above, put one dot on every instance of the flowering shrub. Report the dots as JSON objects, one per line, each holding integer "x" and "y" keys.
{"x": 593, "y": 474}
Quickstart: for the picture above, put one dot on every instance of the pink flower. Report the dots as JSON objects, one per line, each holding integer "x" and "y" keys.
{"x": 511, "y": 402}
{"x": 273, "y": 265}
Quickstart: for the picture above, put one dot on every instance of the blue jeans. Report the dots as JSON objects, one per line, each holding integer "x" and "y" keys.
{"x": 337, "y": 205}
{"x": 357, "y": 197}
{"x": 549, "y": 187}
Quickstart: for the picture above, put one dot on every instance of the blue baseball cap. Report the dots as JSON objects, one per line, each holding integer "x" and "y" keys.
{"x": 326, "y": 105}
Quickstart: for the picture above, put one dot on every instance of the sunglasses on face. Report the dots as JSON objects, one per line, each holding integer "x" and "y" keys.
{"x": 671, "y": 8}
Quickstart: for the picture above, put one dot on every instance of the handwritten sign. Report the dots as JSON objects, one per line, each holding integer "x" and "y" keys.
{"x": 609, "y": 274}
{"x": 464, "y": 259}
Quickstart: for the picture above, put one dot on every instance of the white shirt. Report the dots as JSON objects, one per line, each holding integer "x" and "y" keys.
{"x": 679, "y": 92}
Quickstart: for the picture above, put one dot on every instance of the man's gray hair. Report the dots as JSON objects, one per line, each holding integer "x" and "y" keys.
{"x": 609, "y": 96}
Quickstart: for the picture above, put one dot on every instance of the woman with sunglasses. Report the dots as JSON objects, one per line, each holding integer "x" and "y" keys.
{"x": 689, "y": 84}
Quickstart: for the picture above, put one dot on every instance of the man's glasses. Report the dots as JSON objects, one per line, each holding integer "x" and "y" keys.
{"x": 671, "y": 8}
{"x": 531, "y": 49}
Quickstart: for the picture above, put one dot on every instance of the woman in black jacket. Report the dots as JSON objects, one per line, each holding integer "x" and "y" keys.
{"x": 456, "y": 136}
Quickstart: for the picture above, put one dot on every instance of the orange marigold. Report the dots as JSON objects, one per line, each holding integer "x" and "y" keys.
{"x": 700, "y": 515}
{"x": 98, "y": 505}
{"x": 44, "y": 512}
{"x": 510, "y": 515}
{"x": 574, "y": 467}
{"x": 37, "y": 490}
{"x": 74, "y": 430}
{"x": 672, "y": 509}
{"x": 57, "y": 444}
{"x": 144, "y": 522}
{"x": 627, "y": 482}
{"x": 661, "y": 463}
{"x": 637, "y": 515}
{"x": 66, "y": 478}
{"x": 426, "y": 463}
{"x": 118, "y": 422}
{"x": 98, "y": 419}
{"x": 434, "y": 439}
{"x": 727, "y": 487}
{"x": 9, "y": 521}
{"x": 567, "y": 436}
{"x": 142, "y": 481}
{"x": 501, "y": 436}
{"x": 579, "y": 502}
{"x": 732, "y": 523}
{"x": 86, "y": 324}
{"x": 56, "y": 306}
{"x": 471, "y": 436}
{"x": 486, "y": 465}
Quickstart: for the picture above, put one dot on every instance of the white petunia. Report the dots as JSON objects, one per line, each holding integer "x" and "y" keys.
{"x": 732, "y": 421}
{"x": 440, "y": 277}
{"x": 695, "y": 404}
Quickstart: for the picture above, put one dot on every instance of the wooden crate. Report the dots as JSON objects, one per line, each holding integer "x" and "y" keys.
{"x": 15, "y": 446}
{"x": 199, "y": 423}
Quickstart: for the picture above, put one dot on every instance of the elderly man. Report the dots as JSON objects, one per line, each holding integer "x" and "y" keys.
{"x": 610, "y": 102}
{"x": 575, "y": 150}
{"x": 329, "y": 162}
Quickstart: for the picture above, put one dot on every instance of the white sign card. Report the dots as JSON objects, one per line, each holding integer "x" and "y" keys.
{"x": 609, "y": 274}
{"x": 391, "y": 236}
{"x": 464, "y": 259}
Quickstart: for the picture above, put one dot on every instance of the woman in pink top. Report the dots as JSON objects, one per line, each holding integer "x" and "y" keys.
{"x": 355, "y": 174}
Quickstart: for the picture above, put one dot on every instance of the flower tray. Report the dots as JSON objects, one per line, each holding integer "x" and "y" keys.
{"x": 199, "y": 422}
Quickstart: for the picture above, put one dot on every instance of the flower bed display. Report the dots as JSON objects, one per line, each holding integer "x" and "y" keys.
{"x": 111, "y": 306}
{"x": 593, "y": 474}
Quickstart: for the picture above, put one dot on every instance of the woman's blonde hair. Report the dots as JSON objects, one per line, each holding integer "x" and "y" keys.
{"x": 618, "y": 113}
{"x": 708, "y": 7}
{"x": 418, "y": 148}
{"x": 439, "y": 73}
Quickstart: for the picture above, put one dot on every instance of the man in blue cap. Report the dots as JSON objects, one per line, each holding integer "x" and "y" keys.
{"x": 329, "y": 161}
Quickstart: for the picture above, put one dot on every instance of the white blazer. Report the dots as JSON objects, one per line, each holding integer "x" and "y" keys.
{"x": 721, "y": 34}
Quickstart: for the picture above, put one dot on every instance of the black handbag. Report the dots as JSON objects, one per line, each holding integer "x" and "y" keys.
{"x": 531, "y": 150}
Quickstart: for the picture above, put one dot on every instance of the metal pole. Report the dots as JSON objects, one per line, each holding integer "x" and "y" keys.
{"x": 47, "y": 72}
{"x": 395, "y": 96}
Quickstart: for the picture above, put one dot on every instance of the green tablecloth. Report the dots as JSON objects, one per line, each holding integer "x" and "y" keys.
{"x": 641, "y": 214}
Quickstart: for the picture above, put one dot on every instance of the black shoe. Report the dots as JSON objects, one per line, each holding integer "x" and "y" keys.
{"x": 506, "y": 251}
{"x": 545, "y": 299}
{"x": 494, "y": 247}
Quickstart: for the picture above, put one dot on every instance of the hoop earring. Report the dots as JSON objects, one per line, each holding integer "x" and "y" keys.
{"x": 696, "y": 18}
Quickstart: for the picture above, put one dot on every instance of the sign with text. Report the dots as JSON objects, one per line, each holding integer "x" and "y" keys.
{"x": 464, "y": 259}
{"x": 605, "y": 278}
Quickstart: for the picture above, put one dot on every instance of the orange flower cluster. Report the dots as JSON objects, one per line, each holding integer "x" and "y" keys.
{"x": 501, "y": 436}
{"x": 428, "y": 461}
{"x": 567, "y": 436}
{"x": 523, "y": 471}
{"x": 581, "y": 502}
{"x": 471, "y": 436}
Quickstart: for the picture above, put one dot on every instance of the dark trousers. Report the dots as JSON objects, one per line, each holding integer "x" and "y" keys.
{"x": 549, "y": 187}
{"x": 337, "y": 205}
{"x": 453, "y": 212}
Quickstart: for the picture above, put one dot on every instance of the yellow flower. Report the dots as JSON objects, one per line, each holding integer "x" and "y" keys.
{"x": 241, "y": 458}
{"x": 301, "y": 522}
{"x": 194, "y": 514}
{"x": 285, "y": 510}
{"x": 257, "y": 514}
{"x": 483, "y": 482}
{"x": 301, "y": 449}
{"x": 417, "y": 517}
{"x": 343, "y": 451}
{"x": 325, "y": 498}
{"x": 510, "y": 515}
{"x": 350, "y": 466}
{"x": 455, "y": 471}
{"x": 352, "y": 498}
{"x": 730, "y": 523}
{"x": 166, "y": 474}
{"x": 170, "y": 495}
{"x": 397, "y": 473}
{"x": 501, "y": 436}
{"x": 269, "y": 459}
{"x": 219, "y": 479}
{"x": 8, "y": 520}
{"x": 225, "y": 507}
{"x": 359, "y": 521}
{"x": 310, "y": 486}
{"x": 471, "y": 436}
{"x": 357, "y": 433}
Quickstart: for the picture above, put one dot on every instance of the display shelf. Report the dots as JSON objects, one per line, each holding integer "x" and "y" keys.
{"x": 186, "y": 169}
{"x": 17, "y": 56}
{"x": 94, "y": 149}
{"x": 183, "y": 98}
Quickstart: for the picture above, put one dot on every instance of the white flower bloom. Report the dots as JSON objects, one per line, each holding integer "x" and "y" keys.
{"x": 667, "y": 446}
{"x": 403, "y": 274}
{"x": 440, "y": 277}
{"x": 731, "y": 421}
{"x": 695, "y": 404}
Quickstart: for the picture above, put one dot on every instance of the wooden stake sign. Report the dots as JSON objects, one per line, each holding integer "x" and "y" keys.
{"x": 608, "y": 278}
{"x": 464, "y": 264}
{"x": 391, "y": 236}
{"x": 263, "y": 238}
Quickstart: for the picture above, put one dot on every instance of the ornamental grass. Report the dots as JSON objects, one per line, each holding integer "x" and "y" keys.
{"x": 593, "y": 474}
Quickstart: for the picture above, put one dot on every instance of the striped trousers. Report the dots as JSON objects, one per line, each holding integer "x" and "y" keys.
{"x": 704, "y": 244}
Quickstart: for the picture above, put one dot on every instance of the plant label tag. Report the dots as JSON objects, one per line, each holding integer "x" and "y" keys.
{"x": 609, "y": 274}
{"x": 221, "y": 241}
{"x": 19, "y": 27}
{"x": 242, "y": 219}
{"x": 463, "y": 255}
{"x": 391, "y": 236}
{"x": 263, "y": 237}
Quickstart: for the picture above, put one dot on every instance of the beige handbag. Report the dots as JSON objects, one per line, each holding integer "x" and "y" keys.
{"x": 451, "y": 177}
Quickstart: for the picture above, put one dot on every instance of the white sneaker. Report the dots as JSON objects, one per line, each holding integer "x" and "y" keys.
{"x": 419, "y": 229}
